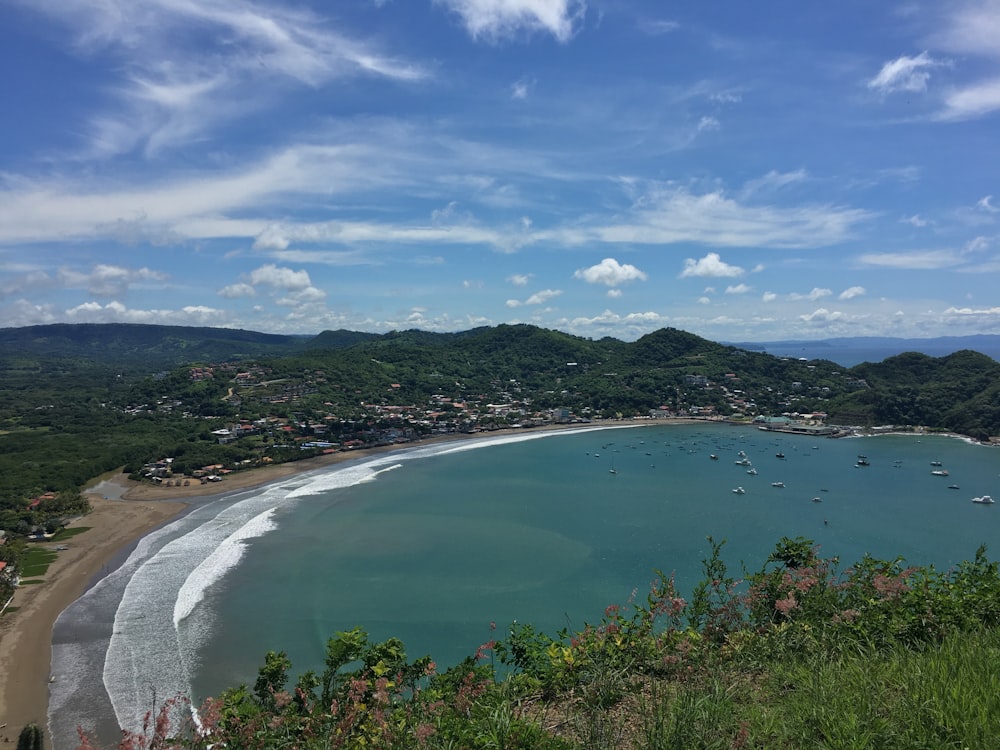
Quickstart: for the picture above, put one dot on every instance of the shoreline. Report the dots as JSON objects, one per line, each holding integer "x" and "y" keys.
{"x": 122, "y": 513}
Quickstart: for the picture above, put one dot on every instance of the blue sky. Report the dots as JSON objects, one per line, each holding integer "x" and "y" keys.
{"x": 742, "y": 171}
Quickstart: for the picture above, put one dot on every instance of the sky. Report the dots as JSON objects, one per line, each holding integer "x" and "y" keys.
{"x": 742, "y": 171}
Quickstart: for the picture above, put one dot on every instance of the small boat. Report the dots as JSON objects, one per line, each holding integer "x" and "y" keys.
{"x": 713, "y": 457}
{"x": 739, "y": 490}
{"x": 935, "y": 463}
{"x": 940, "y": 472}
{"x": 954, "y": 487}
{"x": 862, "y": 462}
{"x": 984, "y": 500}
{"x": 817, "y": 500}
{"x": 779, "y": 455}
{"x": 777, "y": 484}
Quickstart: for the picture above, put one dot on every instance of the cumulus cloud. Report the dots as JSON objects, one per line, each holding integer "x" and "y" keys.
{"x": 279, "y": 277}
{"x": 738, "y": 289}
{"x": 610, "y": 273}
{"x": 116, "y": 312}
{"x": 614, "y": 293}
{"x": 769, "y": 297}
{"x": 519, "y": 279}
{"x": 852, "y": 292}
{"x": 495, "y": 20}
{"x": 712, "y": 266}
{"x": 235, "y": 291}
{"x": 904, "y": 74}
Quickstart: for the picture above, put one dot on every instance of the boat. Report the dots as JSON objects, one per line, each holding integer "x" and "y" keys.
{"x": 935, "y": 463}
{"x": 862, "y": 462}
{"x": 984, "y": 500}
{"x": 779, "y": 455}
{"x": 777, "y": 484}
{"x": 954, "y": 487}
{"x": 817, "y": 499}
{"x": 752, "y": 471}
{"x": 940, "y": 472}
{"x": 739, "y": 490}
{"x": 713, "y": 457}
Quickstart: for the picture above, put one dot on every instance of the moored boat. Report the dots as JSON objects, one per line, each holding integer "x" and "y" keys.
{"x": 984, "y": 500}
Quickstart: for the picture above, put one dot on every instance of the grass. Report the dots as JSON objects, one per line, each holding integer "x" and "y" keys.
{"x": 68, "y": 533}
{"x": 35, "y": 561}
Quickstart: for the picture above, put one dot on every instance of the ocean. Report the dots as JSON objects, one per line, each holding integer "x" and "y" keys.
{"x": 434, "y": 543}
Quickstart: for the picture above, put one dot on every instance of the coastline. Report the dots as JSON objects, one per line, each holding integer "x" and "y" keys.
{"x": 124, "y": 511}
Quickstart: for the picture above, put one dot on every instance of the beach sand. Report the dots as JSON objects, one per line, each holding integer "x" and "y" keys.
{"x": 123, "y": 512}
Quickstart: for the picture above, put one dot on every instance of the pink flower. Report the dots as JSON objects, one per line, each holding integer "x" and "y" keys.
{"x": 786, "y": 605}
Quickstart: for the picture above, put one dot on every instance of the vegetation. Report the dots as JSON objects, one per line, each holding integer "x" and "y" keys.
{"x": 797, "y": 654}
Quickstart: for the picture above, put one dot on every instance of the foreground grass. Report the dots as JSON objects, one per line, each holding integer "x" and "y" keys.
{"x": 796, "y": 655}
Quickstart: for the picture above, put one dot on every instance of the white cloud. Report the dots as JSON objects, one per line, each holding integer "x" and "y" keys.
{"x": 520, "y": 279}
{"x": 704, "y": 301}
{"x": 610, "y": 272}
{"x": 495, "y": 20}
{"x": 540, "y": 298}
{"x": 986, "y": 204}
{"x": 915, "y": 220}
{"x": 614, "y": 293}
{"x": 711, "y": 266}
{"x": 187, "y": 66}
{"x": 107, "y": 280}
{"x": 520, "y": 89}
{"x": 739, "y": 289}
{"x": 769, "y": 297}
{"x": 822, "y": 315}
{"x": 852, "y": 292}
{"x": 116, "y": 312}
{"x": 904, "y": 74}
{"x": 774, "y": 180}
{"x": 972, "y": 101}
{"x": 656, "y": 28}
{"x": 708, "y": 124}
{"x": 235, "y": 291}
{"x": 670, "y": 214}
{"x": 914, "y": 260}
{"x": 280, "y": 277}
{"x": 815, "y": 294}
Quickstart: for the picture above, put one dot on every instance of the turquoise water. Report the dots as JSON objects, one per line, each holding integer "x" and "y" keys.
{"x": 434, "y": 550}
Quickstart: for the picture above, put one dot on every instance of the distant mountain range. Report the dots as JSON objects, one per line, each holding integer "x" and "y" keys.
{"x": 156, "y": 346}
{"x": 852, "y": 351}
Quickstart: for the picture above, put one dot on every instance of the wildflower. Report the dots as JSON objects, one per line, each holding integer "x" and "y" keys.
{"x": 786, "y": 605}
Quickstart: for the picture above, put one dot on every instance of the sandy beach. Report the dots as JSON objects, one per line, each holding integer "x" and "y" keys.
{"x": 120, "y": 516}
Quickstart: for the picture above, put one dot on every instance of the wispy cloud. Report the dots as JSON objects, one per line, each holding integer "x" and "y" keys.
{"x": 538, "y": 298}
{"x": 924, "y": 260}
{"x": 187, "y": 66}
{"x": 852, "y": 292}
{"x": 496, "y": 20}
{"x": 904, "y": 74}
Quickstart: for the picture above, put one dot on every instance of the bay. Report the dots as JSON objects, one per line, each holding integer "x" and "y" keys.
{"x": 542, "y": 531}
{"x": 433, "y": 544}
